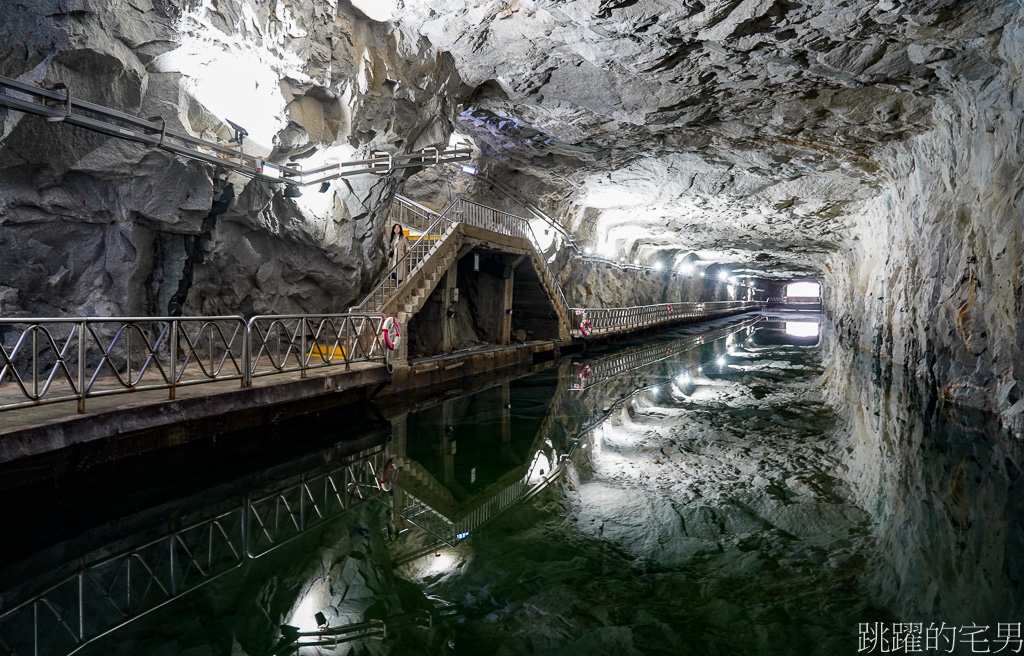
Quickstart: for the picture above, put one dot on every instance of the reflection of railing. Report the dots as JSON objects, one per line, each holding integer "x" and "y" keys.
{"x": 104, "y": 595}
{"x": 598, "y": 371}
{"x": 50, "y": 360}
{"x": 598, "y": 321}
{"x": 376, "y": 628}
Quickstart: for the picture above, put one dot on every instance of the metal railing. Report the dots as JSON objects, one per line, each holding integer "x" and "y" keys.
{"x": 374, "y": 628}
{"x": 598, "y": 371}
{"x": 102, "y": 595}
{"x": 429, "y": 239}
{"x": 49, "y": 360}
{"x": 604, "y": 321}
{"x": 302, "y": 342}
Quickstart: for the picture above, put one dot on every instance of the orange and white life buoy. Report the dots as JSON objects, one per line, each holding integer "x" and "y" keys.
{"x": 392, "y": 333}
{"x": 584, "y": 372}
{"x": 585, "y": 327}
{"x": 670, "y": 310}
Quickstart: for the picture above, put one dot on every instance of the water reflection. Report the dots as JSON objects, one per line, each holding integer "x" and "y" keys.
{"x": 746, "y": 487}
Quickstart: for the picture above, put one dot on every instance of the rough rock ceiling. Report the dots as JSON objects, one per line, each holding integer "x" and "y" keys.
{"x": 750, "y": 130}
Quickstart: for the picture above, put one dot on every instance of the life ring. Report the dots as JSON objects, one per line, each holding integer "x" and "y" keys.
{"x": 584, "y": 372}
{"x": 392, "y": 333}
{"x": 388, "y": 475}
{"x": 585, "y": 327}
{"x": 670, "y": 309}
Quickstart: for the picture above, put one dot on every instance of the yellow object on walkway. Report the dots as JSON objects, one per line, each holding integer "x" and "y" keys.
{"x": 332, "y": 353}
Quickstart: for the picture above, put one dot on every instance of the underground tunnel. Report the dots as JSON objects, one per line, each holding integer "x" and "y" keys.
{"x": 515, "y": 326}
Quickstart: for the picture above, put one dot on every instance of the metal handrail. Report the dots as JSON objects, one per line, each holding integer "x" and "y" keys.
{"x": 609, "y": 320}
{"x": 51, "y": 359}
{"x": 597, "y": 371}
{"x": 418, "y": 252}
{"x": 301, "y": 342}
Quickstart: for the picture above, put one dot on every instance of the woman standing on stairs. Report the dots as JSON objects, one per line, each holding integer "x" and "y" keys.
{"x": 398, "y": 248}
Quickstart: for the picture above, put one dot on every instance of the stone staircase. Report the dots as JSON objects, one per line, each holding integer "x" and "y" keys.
{"x": 440, "y": 248}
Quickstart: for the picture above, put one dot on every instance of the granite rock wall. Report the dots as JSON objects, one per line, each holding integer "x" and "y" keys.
{"x": 934, "y": 276}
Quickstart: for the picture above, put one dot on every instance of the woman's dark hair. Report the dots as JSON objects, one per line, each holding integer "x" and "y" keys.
{"x": 391, "y": 239}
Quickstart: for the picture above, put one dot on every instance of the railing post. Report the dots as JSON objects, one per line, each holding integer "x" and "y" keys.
{"x": 247, "y": 354}
{"x": 302, "y": 356}
{"x": 35, "y": 362}
{"x": 81, "y": 367}
{"x": 128, "y": 352}
{"x": 174, "y": 357}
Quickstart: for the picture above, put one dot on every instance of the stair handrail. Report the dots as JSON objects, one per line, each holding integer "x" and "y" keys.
{"x": 538, "y": 213}
{"x": 416, "y": 248}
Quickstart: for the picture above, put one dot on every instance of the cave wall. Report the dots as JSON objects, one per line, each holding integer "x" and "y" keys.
{"x": 934, "y": 276}
{"x": 593, "y": 284}
{"x": 93, "y": 225}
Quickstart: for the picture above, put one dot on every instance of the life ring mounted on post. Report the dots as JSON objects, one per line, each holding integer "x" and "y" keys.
{"x": 584, "y": 372}
{"x": 392, "y": 333}
{"x": 585, "y": 326}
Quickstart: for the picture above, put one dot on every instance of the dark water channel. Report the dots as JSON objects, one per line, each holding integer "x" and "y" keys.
{"x": 742, "y": 487}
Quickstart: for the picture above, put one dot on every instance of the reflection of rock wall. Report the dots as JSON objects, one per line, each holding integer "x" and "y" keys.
{"x": 93, "y": 225}
{"x": 934, "y": 278}
{"x": 942, "y": 487}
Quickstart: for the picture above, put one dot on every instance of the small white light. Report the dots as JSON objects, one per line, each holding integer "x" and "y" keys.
{"x": 701, "y": 274}
{"x": 721, "y": 361}
{"x": 637, "y": 262}
{"x": 587, "y": 250}
{"x": 723, "y": 276}
{"x": 469, "y": 169}
{"x": 658, "y": 266}
{"x": 656, "y": 389}
{"x": 686, "y": 269}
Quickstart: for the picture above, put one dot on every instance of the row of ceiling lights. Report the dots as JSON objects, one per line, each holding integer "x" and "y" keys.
{"x": 686, "y": 269}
